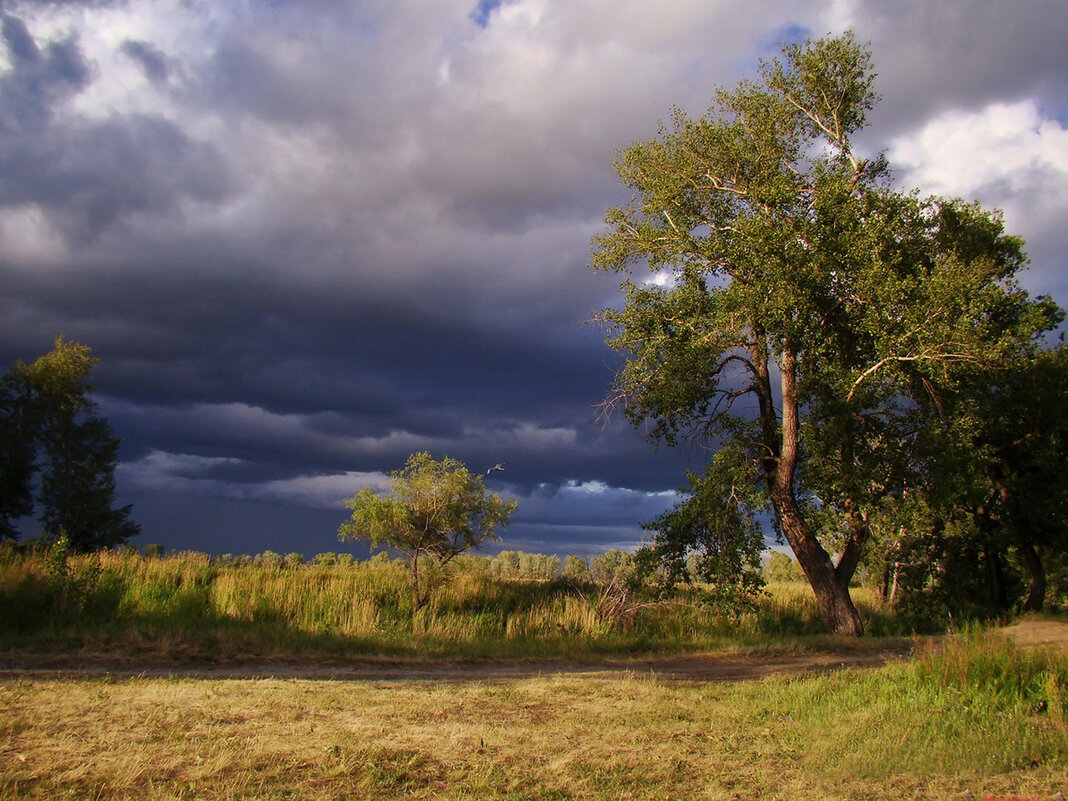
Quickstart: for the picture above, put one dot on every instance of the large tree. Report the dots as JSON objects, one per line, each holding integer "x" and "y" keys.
{"x": 801, "y": 313}
{"x": 436, "y": 510}
{"x": 49, "y": 426}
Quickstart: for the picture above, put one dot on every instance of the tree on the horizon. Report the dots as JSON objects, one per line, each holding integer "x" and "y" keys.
{"x": 803, "y": 317}
{"x": 59, "y": 455}
{"x": 437, "y": 510}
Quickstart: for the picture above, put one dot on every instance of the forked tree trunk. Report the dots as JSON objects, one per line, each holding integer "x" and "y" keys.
{"x": 830, "y": 587}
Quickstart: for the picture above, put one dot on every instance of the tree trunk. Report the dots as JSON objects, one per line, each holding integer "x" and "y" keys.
{"x": 417, "y": 601}
{"x": 1036, "y": 590}
{"x": 832, "y": 593}
{"x": 998, "y": 595}
{"x": 839, "y": 614}
{"x": 892, "y": 600}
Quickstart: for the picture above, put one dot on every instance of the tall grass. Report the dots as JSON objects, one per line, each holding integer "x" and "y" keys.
{"x": 974, "y": 703}
{"x": 186, "y": 604}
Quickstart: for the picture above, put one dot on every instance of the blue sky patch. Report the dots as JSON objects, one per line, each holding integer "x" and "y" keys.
{"x": 482, "y": 11}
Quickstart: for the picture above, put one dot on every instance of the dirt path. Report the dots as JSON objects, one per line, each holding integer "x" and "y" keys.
{"x": 689, "y": 668}
{"x": 709, "y": 667}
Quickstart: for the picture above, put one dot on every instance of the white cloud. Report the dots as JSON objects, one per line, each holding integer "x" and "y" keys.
{"x": 321, "y": 491}
{"x": 1003, "y": 150}
{"x": 185, "y": 473}
{"x": 1008, "y": 156}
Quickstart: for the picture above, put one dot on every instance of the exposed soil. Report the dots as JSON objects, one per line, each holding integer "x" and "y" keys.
{"x": 1037, "y": 632}
{"x": 688, "y": 668}
{"x": 701, "y": 667}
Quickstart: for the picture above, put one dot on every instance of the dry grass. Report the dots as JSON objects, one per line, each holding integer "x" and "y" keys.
{"x": 536, "y": 737}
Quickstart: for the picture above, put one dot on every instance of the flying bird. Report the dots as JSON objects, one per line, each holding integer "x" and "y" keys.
{"x": 497, "y": 468}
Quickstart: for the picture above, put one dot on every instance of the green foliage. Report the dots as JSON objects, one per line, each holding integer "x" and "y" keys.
{"x": 612, "y": 567}
{"x": 805, "y": 317}
{"x": 983, "y": 534}
{"x": 71, "y": 587}
{"x": 268, "y": 559}
{"x": 49, "y": 425}
{"x": 539, "y": 567}
{"x": 519, "y": 565}
{"x": 292, "y": 560}
{"x": 779, "y": 567}
{"x": 437, "y": 509}
{"x": 576, "y": 569}
{"x": 712, "y": 537}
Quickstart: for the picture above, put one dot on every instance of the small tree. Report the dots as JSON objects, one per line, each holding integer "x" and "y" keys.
{"x": 437, "y": 510}
{"x": 49, "y": 425}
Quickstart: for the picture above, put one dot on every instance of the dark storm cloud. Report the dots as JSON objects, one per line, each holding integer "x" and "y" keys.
{"x": 934, "y": 56}
{"x": 154, "y": 62}
{"x": 38, "y": 78}
{"x": 89, "y": 177}
{"x": 87, "y": 174}
{"x": 309, "y": 238}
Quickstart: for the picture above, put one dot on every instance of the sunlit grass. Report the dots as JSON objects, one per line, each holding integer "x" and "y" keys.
{"x": 186, "y": 606}
{"x": 976, "y": 719}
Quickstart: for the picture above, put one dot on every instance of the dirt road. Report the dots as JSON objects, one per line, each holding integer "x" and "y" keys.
{"x": 708, "y": 667}
{"x": 689, "y": 668}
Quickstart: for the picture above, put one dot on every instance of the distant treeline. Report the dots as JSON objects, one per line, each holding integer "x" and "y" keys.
{"x": 507, "y": 564}
{"x": 604, "y": 568}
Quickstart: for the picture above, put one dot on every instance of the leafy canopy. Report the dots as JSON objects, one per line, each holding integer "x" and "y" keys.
{"x": 49, "y": 425}
{"x": 437, "y": 508}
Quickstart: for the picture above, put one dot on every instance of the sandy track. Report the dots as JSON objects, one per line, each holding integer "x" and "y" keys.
{"x": 702, "y": 668}
{"x": 1032, "y": 632}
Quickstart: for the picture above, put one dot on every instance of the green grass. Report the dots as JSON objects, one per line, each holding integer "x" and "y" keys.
{"x": 185, "y": 606}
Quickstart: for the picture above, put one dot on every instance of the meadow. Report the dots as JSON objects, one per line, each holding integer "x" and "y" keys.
{"x": 186, "y": 606}
{"x": 974, "y": 714}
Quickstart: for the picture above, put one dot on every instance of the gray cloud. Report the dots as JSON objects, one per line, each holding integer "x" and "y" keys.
{"x": 87, "y": 174}
{"x": 933, "y": 56}
{"x": 157, "y": 67}
{"x": 308, "y": 238}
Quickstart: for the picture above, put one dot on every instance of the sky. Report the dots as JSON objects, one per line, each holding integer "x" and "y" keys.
{"x": 307, "y": 238}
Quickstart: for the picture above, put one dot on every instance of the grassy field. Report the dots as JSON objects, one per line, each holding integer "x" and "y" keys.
{"x": 972, "y": 715}
{"x": 187, "y": 607}
{"x": 981, "y": 718}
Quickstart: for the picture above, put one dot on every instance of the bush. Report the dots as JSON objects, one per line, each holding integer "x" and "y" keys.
{"x": 576, "y": 569}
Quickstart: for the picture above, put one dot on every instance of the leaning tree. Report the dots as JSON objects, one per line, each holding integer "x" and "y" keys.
{"x": 801, "y": 315}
